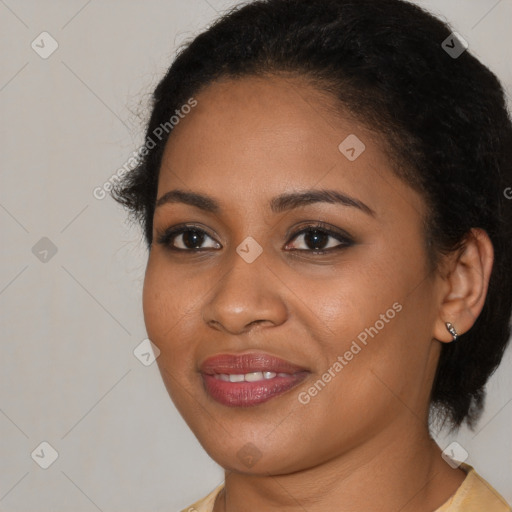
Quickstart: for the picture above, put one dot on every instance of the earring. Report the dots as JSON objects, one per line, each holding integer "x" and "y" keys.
{"x": 452, "y": 331}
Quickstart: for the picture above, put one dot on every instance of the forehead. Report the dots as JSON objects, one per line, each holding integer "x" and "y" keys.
{"x": 252, "y": 138}
{"x": 259, "y": 107}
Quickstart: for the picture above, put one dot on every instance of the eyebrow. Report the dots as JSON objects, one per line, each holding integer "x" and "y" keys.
{"x": 278, "y": 204}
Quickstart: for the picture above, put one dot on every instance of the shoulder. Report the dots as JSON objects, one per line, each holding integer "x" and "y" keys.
{"x": 474, "y": 495}
{"x": 205, "y": 504}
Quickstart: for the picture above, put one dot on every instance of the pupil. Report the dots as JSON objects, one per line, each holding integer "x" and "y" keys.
{"x": 317, "y": 237}
{"x": 192, "y": 238}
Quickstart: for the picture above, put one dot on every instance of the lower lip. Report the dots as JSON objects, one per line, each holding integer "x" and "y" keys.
{"x": 246, "y": 394}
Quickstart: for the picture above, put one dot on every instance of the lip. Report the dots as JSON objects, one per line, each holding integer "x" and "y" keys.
{"x": 247, "y": 363}
{"x": 247, "y": 394}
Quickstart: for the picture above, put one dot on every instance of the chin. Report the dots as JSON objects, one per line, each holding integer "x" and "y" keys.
{"x": 257, "y": 458}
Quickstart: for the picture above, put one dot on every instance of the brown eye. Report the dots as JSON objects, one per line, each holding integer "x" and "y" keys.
{"x": 186, "y": 239}
{"x": 319, "y": 239}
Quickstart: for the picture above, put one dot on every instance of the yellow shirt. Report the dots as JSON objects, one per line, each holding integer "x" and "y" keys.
{"x": 473, "y": 495}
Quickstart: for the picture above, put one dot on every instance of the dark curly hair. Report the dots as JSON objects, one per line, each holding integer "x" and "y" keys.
{"x": 443, "y": 119}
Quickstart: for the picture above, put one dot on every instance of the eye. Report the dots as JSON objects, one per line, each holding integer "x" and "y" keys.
{"x": 316, "y": 239}
{"x": 186, "y": 238}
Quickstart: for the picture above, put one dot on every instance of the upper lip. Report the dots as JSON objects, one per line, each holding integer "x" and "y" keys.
{"x": 247, "y": 363}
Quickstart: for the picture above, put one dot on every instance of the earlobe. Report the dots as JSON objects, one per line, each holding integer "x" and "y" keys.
{"x": 465, "y": 286}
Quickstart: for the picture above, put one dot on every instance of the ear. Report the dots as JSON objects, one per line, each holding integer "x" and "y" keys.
{"x": 464, "y": 285}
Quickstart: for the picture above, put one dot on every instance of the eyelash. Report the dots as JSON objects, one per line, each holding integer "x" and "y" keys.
{"x": 168, "y": 235}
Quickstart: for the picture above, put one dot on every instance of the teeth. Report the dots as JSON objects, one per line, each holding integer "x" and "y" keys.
{"x": 253, "y": 377}
{"x": 249, "y": 377}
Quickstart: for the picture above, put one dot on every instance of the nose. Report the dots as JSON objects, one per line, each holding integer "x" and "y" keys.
{"x": 248, "y": 294}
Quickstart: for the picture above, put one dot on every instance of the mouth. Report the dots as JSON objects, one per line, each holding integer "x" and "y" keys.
{"x": 249, "y": 379}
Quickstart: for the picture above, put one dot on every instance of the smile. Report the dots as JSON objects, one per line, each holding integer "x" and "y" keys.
{"x": 248, "y": 379}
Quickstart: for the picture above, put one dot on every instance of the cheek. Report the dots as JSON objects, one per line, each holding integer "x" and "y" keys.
{"x": 375, "y": 331}
{"x": 157, "y": 305}
{"x": 167, "y": 306}
{"x": 381, "y": 368}
{"x": 168, "y": 316}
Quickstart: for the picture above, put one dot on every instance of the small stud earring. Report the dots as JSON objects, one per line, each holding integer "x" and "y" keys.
{"x": 452, "y": 331}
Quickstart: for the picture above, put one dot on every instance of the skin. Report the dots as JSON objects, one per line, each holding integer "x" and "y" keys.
{"x": 363, "y": 439}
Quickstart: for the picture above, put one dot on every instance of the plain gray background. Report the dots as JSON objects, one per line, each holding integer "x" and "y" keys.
{"x": 70, "y": 321}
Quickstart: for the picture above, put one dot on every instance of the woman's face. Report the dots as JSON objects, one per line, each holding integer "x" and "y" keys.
{"x": 357, "y": 320}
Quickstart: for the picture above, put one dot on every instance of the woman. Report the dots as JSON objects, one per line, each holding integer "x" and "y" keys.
{"x": 329, "y": 253}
